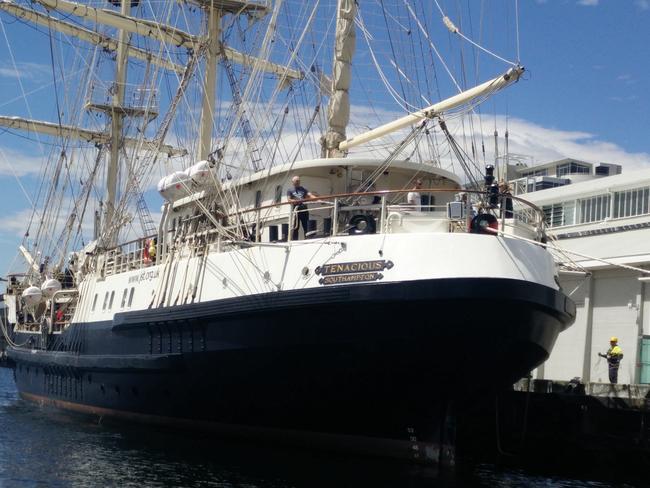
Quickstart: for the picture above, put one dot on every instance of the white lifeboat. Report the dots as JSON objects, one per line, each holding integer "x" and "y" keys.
{"x": 32, "y": 296}
{"x": 50, "y": 287}
{"x": 175, "y": 186}
{"x": 162, "y": 187}
{"x": 199, "y": 173}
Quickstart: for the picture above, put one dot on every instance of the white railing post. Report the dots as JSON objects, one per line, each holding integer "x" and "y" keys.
{"x": 290, "y": 226}
{"x": 468, "y": 212}
{"x": 335, "y": 217}
{"x": 382, "y": 216}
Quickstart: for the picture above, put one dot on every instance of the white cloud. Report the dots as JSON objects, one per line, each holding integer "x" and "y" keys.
{"x": 546, "y": 144}
{"x": 15, "y": 163}
{"x": 643, "y": 4}
{"x": 26, "y": 71}
{"x": 15, "y": 223}
{"x": 629, "y": 98}
{"x": 539, "y": 144}
{"x": 588, "y": 3}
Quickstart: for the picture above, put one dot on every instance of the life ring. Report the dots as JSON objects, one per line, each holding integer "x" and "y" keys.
{"x": 362, "y": 224}
{"x": 482, "y": 222}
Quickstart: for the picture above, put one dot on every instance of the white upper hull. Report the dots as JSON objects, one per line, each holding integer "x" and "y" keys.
{"x": 271, "y": 268}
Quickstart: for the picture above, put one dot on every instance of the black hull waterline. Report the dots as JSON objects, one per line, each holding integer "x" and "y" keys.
{"x": 369, "y": 367}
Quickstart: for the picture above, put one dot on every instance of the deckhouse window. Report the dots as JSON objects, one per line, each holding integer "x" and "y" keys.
{"x": 124, "y": 293}
{"x": 258, "y": 198}
{"x": 110, "y": 303}
{"x": 94, "y": 303}
{"x": 131, "y": 297}
{"x": 105, "y": 301}
{"x": 278, "y": 194}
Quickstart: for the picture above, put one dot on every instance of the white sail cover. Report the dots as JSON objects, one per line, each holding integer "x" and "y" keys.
{"x": 339, "y": 106}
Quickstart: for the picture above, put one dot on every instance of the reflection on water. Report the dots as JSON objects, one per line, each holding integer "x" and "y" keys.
{"x": 43, "y": 448}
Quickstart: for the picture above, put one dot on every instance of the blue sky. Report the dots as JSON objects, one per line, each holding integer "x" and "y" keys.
{"x": 585, "y": 93}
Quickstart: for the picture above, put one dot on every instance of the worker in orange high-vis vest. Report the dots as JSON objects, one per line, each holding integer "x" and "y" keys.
{"x": 613, "y": 355}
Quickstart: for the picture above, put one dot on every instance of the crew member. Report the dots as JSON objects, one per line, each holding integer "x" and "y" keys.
{"x": 506, "y": 202}
{"x": 414, "y": 199}
{"x": 297, "y": 194}
{"x": 152, "y": 250}
{"x": 59, "y": 315}
{"x": 613, "y": 355}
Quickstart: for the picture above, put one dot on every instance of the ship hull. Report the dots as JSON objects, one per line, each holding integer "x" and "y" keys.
{"x": 372, "y": 367}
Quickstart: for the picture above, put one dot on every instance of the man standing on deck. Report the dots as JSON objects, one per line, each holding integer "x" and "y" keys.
{"x": 298, "y": 194}
{"x": 414, "y": 199}
{"x": 613, "y": 355}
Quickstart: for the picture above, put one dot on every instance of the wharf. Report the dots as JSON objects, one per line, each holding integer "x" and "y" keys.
{"x": 543, "y": 422}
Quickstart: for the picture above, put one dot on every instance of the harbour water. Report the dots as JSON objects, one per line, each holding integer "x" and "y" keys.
{"x": 45, "y": 448}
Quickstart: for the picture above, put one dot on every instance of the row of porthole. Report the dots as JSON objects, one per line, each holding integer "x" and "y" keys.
{"x": 109, "y": 297}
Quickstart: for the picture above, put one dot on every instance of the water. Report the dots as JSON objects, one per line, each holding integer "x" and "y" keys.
{"x": 43, "y": 448}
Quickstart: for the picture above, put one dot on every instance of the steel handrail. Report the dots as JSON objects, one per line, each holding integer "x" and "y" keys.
{"x": 381, "y": 193}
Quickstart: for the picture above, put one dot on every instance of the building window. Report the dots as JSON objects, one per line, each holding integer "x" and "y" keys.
{"x": 131, "y": 297}
{"x": 594, "y": 209}
{"x": 631, "y": 202}
{"x": 94, "y": 303}
{"x": 126, "y": 290}
{"x": 560, "y": 214}
{"x": 571, "y": 169}
{"x": 538, "y": 172}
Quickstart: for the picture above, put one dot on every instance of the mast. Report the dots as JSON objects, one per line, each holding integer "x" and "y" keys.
{"x": 117, "y": 118}
{"x": 339, "y": 107}
{"x": 210, "y": 82}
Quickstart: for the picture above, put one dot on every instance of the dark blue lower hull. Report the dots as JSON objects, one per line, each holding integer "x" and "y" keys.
{"x": 377, "y": 364}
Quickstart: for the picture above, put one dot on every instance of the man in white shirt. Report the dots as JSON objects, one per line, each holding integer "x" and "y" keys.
{"x": 414, "y": 199}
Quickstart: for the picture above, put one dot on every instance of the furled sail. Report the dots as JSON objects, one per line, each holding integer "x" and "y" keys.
{"x": 339, "y": 106}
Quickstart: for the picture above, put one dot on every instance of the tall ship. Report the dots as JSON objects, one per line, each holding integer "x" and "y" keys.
{"x": 302, "y": 285}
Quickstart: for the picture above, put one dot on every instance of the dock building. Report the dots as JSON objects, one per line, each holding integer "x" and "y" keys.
{"x": 597, "y": 211}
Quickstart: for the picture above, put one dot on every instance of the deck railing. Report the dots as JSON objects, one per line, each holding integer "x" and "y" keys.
{"x": 385, "y": 210}
{"x": 384, "y": 206}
